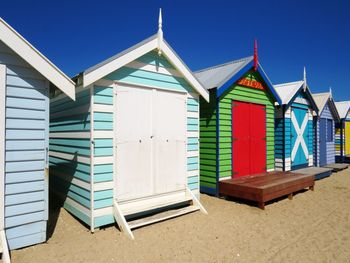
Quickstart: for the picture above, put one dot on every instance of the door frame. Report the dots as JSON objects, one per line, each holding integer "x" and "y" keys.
{"x": 116, "y": 84}
{"x": 324, "y": 142}
{"x": 232, "y": 121}
{"x": 299, "y": 166}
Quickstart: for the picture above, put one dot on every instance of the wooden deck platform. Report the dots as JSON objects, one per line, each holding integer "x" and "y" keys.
{"x": 267, "y": 186}
{"x": 337, "y": 166}
{"x": 318, "y": 172}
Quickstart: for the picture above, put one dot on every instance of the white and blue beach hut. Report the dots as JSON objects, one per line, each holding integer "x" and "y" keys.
{"x": 26, "y": 80}
{"x": 129, "y": 146}
{"x": 294, "y": 136}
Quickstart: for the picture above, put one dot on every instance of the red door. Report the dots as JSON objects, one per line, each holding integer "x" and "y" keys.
{"x": 248, "y": 139}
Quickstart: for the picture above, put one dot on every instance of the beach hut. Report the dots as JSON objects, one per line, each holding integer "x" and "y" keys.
{"x": 129, "y": 144}
{"x": 294, "y": 126}
{"x": 325, "y": 129}
{"x": 237, "y": 125}
{"x": 26, "y": 80}
{"x": 342, "y": 132}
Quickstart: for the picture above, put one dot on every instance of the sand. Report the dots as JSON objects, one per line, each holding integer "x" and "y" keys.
{"x": 313, "y": 227}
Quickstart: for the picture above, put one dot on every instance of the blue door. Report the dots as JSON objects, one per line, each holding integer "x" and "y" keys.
{"x": 299, "y": 137}
{"x": 323, "y": 141}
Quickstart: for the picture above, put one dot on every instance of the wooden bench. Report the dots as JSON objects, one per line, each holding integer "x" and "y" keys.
{"x": 267, "y": 186}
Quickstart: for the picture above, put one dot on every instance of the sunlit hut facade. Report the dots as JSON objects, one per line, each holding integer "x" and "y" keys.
{"x": 237, "y": 125}
{"x": 129, "y": 144}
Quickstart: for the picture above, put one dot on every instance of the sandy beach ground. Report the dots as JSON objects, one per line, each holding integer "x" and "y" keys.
{"x": 313, "y": 227}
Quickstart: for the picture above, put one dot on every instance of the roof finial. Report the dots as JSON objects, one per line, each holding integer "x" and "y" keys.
{"x": 330, "y": 92}
{"x": 256, "y": 62}
{"x": 160, "y": 32}
{"x": 304, "y": 85}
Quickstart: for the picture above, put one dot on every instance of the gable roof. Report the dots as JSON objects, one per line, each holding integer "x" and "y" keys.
{"x": 343, "y": 108}
{"x": 37, "y": 60}
{"x": 216, "y": 76}
{"x": 288, "y": 92}
{"x": 224, "y": 75}
{"x": 121, "y": 59}
{"x": 321, "y": 100}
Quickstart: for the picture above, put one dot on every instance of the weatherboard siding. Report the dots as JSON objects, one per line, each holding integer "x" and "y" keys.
{"x": 330, "y": 146}
{"x": 245, "y": 94}
{"x": 26, "y": 140}
{"x": 70, "y": 151}
{"x": 208, "y": 135}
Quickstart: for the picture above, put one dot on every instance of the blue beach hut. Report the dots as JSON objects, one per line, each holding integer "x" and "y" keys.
{"x": 325, "y": 129}
{"x": 26, "y": 79}
{"x": 129, "y": 145}
{"x": 294, "y": 137}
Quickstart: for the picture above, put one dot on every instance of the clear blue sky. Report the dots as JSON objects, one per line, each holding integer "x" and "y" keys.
{"x": 78, "y": 34}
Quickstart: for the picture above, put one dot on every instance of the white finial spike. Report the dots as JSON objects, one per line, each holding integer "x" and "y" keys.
{"x": 304, "y": 85}
{"x": 160, "y": 32}
{"x": 330, "y": 92}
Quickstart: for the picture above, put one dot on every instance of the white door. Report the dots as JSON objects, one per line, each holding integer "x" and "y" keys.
{"x": 170, "y": 141}
{"x": 151, "y": 142}
{"x": 134, "y": 143}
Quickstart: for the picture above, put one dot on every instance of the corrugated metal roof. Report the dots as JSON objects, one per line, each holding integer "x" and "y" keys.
{"x": 343, "y": 108}
{"x": 321, "y": 99}
{"x": 286, "y": 91}
{"x": 120, "y": 54}
{"x": 215, "y": 77}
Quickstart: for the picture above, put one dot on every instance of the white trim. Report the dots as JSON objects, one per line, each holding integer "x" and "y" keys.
{"x": 192, "y": 173}
{"x": 104, "y": 83}
{"x": 104, "y": 186}
{"x": 113, "y": 65}
{"x": 103, "y": 211}
{"x": 92, "y": 149}
{"x": 78, "y": 89}
{"x": 103, "y": 160}
{"x": 196, "y": 201}
{"x": 70, "y": 135}
{"x": 192, "y": 134}
{"x": 103, "y": 108}
{"x": 2, "y": 143}
{"x": 192, "y": 114}
{"x": 37, "y": 60}
{"x": 70, "y": 157}
{"x": 103, "y": 134}
{"x": 128, "y": 57}
{"x": 193, "y": 154}
{"x": 122, "y": 83}
{"x": 152, "y": 68}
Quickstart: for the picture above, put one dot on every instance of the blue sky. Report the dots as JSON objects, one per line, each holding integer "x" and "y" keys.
{"x": 78, "y": 34}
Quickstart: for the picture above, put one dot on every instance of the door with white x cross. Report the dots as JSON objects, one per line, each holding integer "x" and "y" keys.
{"x": 300, "y": 137}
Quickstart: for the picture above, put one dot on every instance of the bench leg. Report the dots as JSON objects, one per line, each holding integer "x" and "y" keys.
{"x": 290, "y": 196}
{"x": 312, "y": 188}
{"x": 261, "y": 205}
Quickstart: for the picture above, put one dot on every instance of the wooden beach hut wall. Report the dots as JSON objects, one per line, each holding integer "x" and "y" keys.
{"x": 325, "y": 128}
{"x": 342, "y": 132}
{"x": 26, "y": 78}
{"x": 129, "y": 144}
{"x": 237, "y": 125}
{"x": 294, "y": 126}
